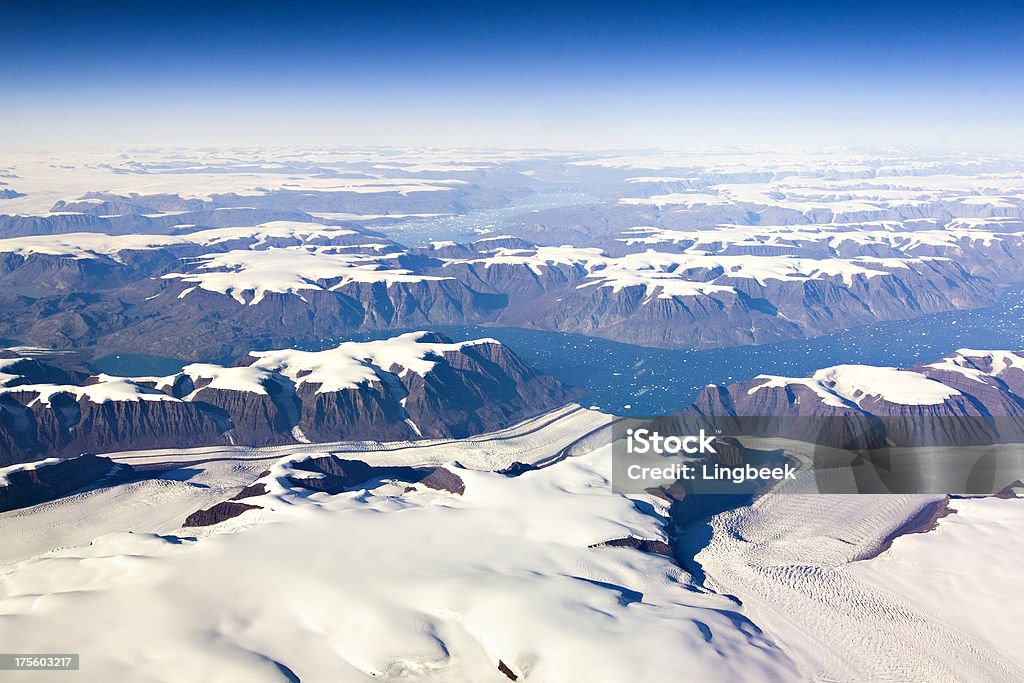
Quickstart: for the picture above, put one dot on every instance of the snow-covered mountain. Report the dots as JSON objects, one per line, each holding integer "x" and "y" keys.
{"x": 699, "y": 299}
{"x": 288, "y": 283}
{"x": 417, "y": 385}
{"x": 968, "y": 382}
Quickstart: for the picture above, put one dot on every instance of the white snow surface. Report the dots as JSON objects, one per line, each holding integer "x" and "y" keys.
{"x": 346, "y": 366}
{"x": 264, "y": 232}
{"x": 1000, "y": 360}
{"x": 814, "y": 573}
{"x": 394, "y": 585}
{"x": 838, "y": 238}
{"x": 424, "y": 585}
{"x": 664, "y": 285}
{"x": 351, "y": 364}
{"x": 980, "y": 365}
{"x": 45, "y": 185}
{"x": 86, "y": 245}
{"x": 289, "y": 270}
{"x": 976, "y": 546}
{"x": 842, "y": 385}
{"x": 248, "y": 379}
{"x": 858, "y": 382}
{"x": 104, "y": 388}
{"x": 536, "y": 259}
{"x": 841, "y": 187}
{"x": 687, "y": 199}
{"x": 92, "y": 245}
{"x": 347, "y": 216}
{"x": 827, "y": 395}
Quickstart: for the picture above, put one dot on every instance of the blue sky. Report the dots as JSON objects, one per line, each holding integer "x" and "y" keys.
{"x": 518, "y": 73}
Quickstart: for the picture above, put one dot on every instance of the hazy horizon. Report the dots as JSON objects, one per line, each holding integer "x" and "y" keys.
{"x": 519, "y": 75}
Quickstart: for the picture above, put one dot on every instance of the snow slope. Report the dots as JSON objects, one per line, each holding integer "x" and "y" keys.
{"x": 393, "y": 585}
{"x": 200, "y": 477}
{"x": 973, "y": 546}
{"x": 399, "y": 583}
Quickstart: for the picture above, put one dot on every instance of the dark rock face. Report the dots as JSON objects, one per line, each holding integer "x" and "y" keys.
{"x": 444, "y": 480}
{"x": 503, "y": 668}
{"x": 31, "y": 429}
{"x": 339, "y": 474}
{"x": 68, "y": 274}
{"x": 364, "y": 412}
{"x": 212, "y": 325}
{"x": 218, "y": 513}
{"x": 1014, "y": 490}
{"x": 252, "y": 491}
{"x": 629, "y": 315}
{"x": 31, "y": 371}
{"x": 969, "y": 398}
{"x": 16, "y": 226}
{"x": 248, "y": 418}
{"x": 755, "y": 312}
{"x": 118, "y": 297}
{"x": 790, "y": 401}
{"x": 517, "y": 468}
{"x": 112, "y": 425}
{"x": 483, "y": 384}
{"x": 207, "y": 324}
{"x": 564, "y": 292}
{"x": 520, "y": 283}
{"x": 48, "y": 482}
{"x": 642, "y": 544}
{"x": 472, "y": 388}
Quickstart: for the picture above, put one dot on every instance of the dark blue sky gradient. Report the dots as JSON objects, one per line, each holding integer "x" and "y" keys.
{"x": 459, "y": 66}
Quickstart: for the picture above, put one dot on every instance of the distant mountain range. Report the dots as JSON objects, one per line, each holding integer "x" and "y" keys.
{"x": 224, "y": 252}
{"x": 223, "y": 291}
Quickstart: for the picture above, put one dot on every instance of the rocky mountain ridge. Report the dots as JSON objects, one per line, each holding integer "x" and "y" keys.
{"x": 222, "y": 292}
{"x": 417, "y": 385}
